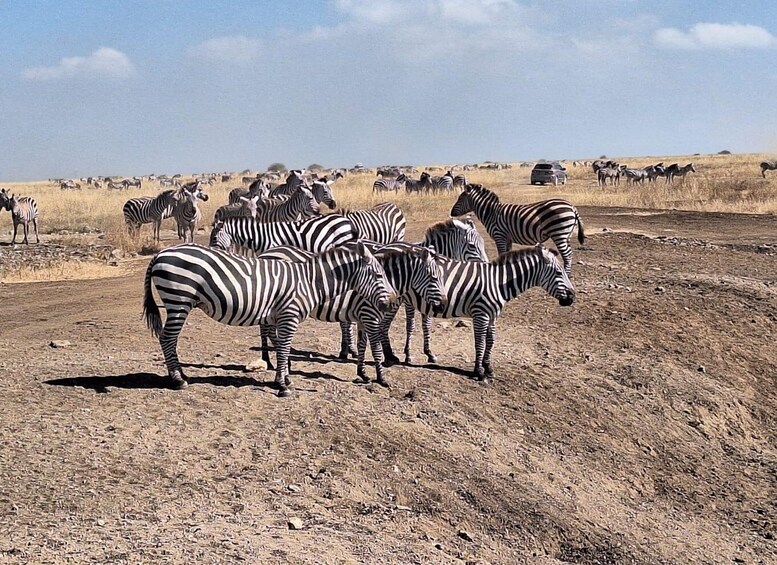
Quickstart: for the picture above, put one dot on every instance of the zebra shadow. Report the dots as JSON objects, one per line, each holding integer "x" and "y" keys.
{"x": 310, "y": 356}
{"x": 436, "y": 367}
{"x": 101, "y": 383}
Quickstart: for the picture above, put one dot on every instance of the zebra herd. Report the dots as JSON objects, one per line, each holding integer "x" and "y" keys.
{"x": 354, "y": 267}
{"x": 614, "y": 171}
{"x": 425, "y": 184}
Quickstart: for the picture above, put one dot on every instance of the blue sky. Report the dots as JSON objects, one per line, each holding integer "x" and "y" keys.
{"x": 141, "y": 86}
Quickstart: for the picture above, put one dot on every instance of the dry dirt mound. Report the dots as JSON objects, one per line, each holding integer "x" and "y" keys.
{"x": 636, "y": 427}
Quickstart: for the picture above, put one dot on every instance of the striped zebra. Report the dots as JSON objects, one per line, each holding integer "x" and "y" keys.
{"x": 459, "y": 182}
{"x": 409, "y": 268}
{"x": 524, "y": 224}
{"x": 149, "y": 210}
{"x": 294, "y": 180}
{"x": 443, "y": 183}
{"x": 186, "y": 212}
{"x": 768, "y": 166}
{"x": 452, "y": 239}
{"x": 249, "y": 292}
{"x": 676, "y": 170}
{"x": 322, "y": 192}
{"x": 423, "y": 184}
{"x": 388, "y": 184}
{"x": 300, "y": 204}
{"x": 23, "y": 210}
{"x": 314, "y": 234}
{"x": 257, "y": 188}
{"x": 244, "y": 207}
{"x": 383, "y": 223}
{"x": 480, "y": 291}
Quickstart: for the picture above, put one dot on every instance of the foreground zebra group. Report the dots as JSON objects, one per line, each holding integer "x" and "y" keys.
{"x": 354, "y": 267}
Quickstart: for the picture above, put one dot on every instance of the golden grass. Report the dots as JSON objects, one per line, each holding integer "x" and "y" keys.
{"x": 729, "y": 183}
{"x": 63, "y": 270}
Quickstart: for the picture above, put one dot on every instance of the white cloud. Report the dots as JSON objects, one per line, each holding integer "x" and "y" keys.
{"x": 235, "y": 49}
{"x": 383, "y": 12}
{"x": 474, "y": 12}
{"x": 715, "y": 36}
{"x": 104, "y": 62}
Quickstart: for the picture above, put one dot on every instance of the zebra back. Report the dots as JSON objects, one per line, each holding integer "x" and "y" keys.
{"x": 383, "y": 223}
{"x": 456, "y": 239}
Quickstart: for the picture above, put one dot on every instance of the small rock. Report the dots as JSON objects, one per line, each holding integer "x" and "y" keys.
{"x": 605, "y": 230}
{"x": 588, "y": 357}
{"x": 294, "y": 488}
{"x": 100, "y": 522}
{"x": 117, "y": 254}
{"x": 257, "y": 365}
{"x": 56, "y": 343}
{"x": 465, "y": 535}
{"x": 702, "y": 369}
{"x": 438, "y": 546}
{"x": 660, "y": 289}
{"x": 295, "y": 523}
{"x": 405, "y": 508}
{"x": 463, "y": 324}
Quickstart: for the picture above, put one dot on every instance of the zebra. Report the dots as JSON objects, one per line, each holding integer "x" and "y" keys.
{"x": 389, "y": 184}
{"x": 23, "y": 210}
{"x": 634, "y": 176}
{"x": 300, "y": 204}
{"x": 612, "y": 173}
{"x": 408, "y": 267}
{"x": 459, "y": 182}
{"x": 423, "y": 184}
{"x": 676, "y": 170}
{"x": 480, "y": 291}
{"x": 295, "y": 179}
{"x": 185, "y": 211}
{"x": 383, "y": 223}
{"x": 655, "y": 171}
{"x": 314, "y": 234}
{"x": 524, "y": 224}
{"x": 453, "y": 239}
{"x": 443, "y": 183}
{"x": 133, "y": 182}
{"x": 322, "y": 192}
{"x": 149, "y": 210}
{"x": 256, "y": 188}
{"x": 244, "y": 207}
{"x": 768, "y": 166}
{"x": 247, "y": 292}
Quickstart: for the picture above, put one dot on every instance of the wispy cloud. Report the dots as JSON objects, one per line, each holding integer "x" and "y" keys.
{"x": 715, "y": 36}
{"x": 234, "y": 49}
{"x": 104, "y": 62}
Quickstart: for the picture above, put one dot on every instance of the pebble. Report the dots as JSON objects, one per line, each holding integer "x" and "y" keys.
{"x": 465, "y": 535}
{"x": 257, "y": 365}
{"x": 295, "y": 523}
{"x": 462, "y": 324}
{"x": 57, "y": 343}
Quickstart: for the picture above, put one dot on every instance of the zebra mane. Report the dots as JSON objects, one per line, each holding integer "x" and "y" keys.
{"x": 512, "y": 257}
{"x": 487, "y": 195}
{"x": 443, "y": 226}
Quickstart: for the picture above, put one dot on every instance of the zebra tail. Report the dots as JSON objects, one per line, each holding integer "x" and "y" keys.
{"x": 150, "y": 308}
{"x": 580, "y": 232}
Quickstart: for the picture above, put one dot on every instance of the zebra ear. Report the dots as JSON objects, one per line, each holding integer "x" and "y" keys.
{"x": 362, "y": 250}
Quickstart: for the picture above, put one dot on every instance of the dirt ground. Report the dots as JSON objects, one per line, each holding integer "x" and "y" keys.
{"x": 638, "y": 426}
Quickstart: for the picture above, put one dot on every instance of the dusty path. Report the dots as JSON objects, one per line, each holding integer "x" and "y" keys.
{"x": 637, "y": 426}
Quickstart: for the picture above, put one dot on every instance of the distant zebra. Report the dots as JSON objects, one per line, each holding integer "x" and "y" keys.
{"x": 443, "y": 183}
{"x": 423, "y": 184}
{"x": 315, "y": 234}
{"x": 481, "y": 290}
{"x": 133, "y": 182}
{"x": 675, "y": 170}
{"x": 23, "y": 210}
{"x": 409, "y": 268}
{"x": 459, "y": 182}
{"x": 655, "y": 171}
{"x": 453, "y": 239}
{"x": 768, "y": 166}
{"x": 245, "y": 207}
{"x": 257, "y": 188}
{"x": 524, "y": 224}
{"x": 634, "y": 176}
{"x": 300, "y": 204}
{"x": 249, "y": 292}
{"x": 383, "y": 223}
{"x": 186, "y": 212}
{"x": 149, "y": 210}
{"x": 322, "y": 192}
{"x": 116, "y": 185}
{"x": 388, "y": 184}
{"x": 294, "y": 180}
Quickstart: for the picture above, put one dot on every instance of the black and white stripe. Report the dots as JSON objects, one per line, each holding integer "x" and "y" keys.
{"x": 186, "y": 212}
{"x": 249, "y": 292}
{"x": 388, "y": 184}
{"x": 480, "y": 291}
{"x": 294, "y": 180}
{"x": 443, "y": 183}
{"x": 383, "y": 223}
{"x": 423, "y": 184}
{"x": 244, "y": 208}
{"x": 315, "y": 234}
{"x": 409, "y": 268}
{"x": 149, "y": 210}
{"x": 23, "y": 210}
{"x": 322, "y": 192}
{"x": 524, "y": 224}
{"x": 300, "y": 204}
{"x": 257, "y": 188}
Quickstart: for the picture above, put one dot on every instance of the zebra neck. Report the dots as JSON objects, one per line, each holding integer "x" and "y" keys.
{"x": 485, "y": 207}
{"x": 515, "y": 278}
{"x": 330, "y": 281}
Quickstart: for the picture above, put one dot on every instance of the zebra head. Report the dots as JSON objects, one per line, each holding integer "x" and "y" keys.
{"x": 474, "y": 248}
{"x": 307, "y": 202}
{"x": 194, "y": 187}
{"x": 370, "y": 282}
{"x": 5, "y": 200}
{"x": 429, "y": 281}
{"x": 249, "y": 204}
{"x": 552, "y": 276}
{"x": 322, "y": 190}
{"x": 466, "y": 201}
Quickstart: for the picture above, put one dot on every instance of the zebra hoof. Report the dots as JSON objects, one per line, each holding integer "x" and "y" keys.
{"x": 390, "y": 360}
{"x": 361, "y": 380}
{"x": 284, "y": 393}
{"x": 384, "y": 383}
{"x": 431, "y": 358}
{"x": 179, "y": 384}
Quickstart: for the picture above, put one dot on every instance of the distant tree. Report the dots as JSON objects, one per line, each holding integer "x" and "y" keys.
{"x": 724, "y": 152}
{"x": 315, "y": 167}
{"x": 277, "y": 168}
{"x": 602, "y": 156}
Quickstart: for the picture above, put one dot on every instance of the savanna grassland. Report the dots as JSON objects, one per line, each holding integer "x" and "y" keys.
{"x": 637, "y": 426}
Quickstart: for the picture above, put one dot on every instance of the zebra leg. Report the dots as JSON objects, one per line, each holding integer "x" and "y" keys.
{"x": 480, "y": 329}
{"x": 346, "y": 340}
{"x": 426, "y": 325}
{"x": 268, "y": 334}
{"x": 565, "y": 250}
{"x": 370, "y": 329}
{"x": 389, "y": 358}
{"x": 409, "y": 331}
{"x": 15, "y": 228}
{"x": 168, "y": 340}
{"x": 35, "y": 225}
{"x": 490, "y": 337}
{"x": 285, "y": 333}
{"x": 361, "y": 345}
{"x": 158, "y": 231}
{"x": 26, "y": 228}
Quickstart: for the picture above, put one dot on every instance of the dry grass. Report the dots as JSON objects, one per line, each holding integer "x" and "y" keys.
{"x": 63, "y": 270}
{"x": 723, "y": 184}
